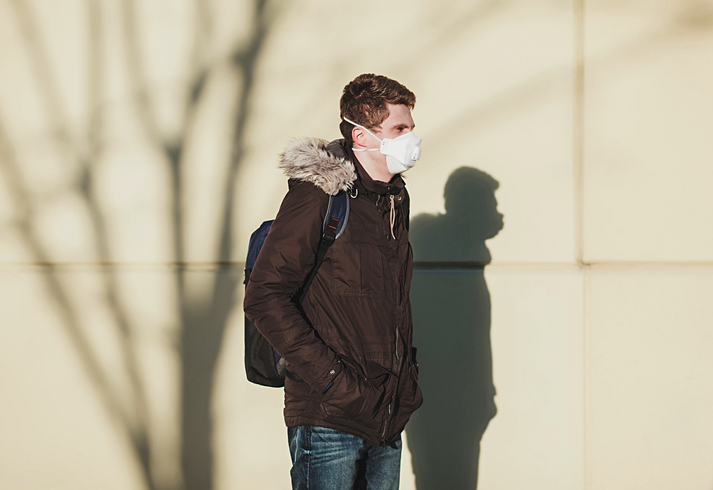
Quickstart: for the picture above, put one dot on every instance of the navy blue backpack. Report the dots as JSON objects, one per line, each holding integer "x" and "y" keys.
{"x": 263, "y": 365}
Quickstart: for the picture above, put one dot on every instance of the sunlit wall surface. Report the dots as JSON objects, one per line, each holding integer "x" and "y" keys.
{"x": 561, "y": 223}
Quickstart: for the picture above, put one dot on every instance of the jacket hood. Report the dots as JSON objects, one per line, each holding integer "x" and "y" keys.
{"x": 308, "y": 159}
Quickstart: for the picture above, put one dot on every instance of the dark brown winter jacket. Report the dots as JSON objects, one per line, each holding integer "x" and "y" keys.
{"x": 350, "y": 340}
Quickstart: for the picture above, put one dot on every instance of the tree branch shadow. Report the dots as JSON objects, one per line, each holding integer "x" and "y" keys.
{"x": 202, "y": 322}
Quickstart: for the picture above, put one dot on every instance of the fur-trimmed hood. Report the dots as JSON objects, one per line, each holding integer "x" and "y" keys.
{"x": 308, "y": 159}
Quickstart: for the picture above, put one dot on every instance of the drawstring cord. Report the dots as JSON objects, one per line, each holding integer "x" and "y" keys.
{"x": 392, "y": 213}
{"x": 392, "y": 216}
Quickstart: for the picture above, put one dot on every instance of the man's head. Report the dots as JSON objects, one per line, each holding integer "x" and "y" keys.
{"x": 366, "y": 100}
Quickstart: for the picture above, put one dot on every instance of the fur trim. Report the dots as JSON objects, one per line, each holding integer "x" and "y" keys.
{"x": 309, "y": 160}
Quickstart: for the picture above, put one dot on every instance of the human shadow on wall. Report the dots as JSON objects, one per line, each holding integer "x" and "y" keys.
{"x": 451, "y": 315}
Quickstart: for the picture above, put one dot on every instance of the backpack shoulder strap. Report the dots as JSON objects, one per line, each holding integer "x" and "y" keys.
{"x": 335, "y": 221}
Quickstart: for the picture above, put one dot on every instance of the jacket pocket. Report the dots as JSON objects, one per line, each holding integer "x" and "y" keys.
{"x": 354, "y": 398}
{"x": 359, "y": 269}
{"x": 411, "y": 396}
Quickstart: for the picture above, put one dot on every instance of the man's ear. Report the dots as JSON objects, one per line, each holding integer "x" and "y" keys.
{"x": 358, "y": 136}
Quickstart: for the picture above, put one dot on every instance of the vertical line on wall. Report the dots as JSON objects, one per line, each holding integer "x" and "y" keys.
{"x": 578, "y": 174}
{"x": 586, "y": 286}
{"x": 578, "y": 130}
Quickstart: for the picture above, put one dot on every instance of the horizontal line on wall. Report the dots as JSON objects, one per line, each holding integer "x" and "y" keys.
{"x": 418, "y": 265}
{"x": 123, "y": 265}
{"x": 648, "y": 264}
{"x": 613, "y": 265}
{"x": 449, "y": 265}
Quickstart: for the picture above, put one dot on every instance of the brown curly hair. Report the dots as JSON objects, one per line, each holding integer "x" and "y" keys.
{"x": 364, "y": 101}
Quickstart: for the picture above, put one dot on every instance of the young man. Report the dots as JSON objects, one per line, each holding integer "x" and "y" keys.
{"x": 351, "y": 370}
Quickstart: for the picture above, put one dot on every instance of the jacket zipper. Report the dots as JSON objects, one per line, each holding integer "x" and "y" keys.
{"x": 386, "y": 422}
{"x": 396, "y": 351}
{"x": 396, "y": 363}
{"x": 396, "y": 344}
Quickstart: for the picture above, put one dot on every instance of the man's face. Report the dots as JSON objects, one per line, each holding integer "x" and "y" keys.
{"x": 399, "y": 122}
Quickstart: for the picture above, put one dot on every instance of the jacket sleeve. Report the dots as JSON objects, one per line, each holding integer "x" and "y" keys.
{"x": 286, "y": 259}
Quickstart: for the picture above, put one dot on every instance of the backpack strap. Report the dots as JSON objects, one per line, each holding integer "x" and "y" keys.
{"x": 335, "y": 221}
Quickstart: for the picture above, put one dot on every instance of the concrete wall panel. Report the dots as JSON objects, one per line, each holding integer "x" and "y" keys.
{"x": 648, "y": 149}
{"x": 536, "y": 439}
{"x": 649, "y": 388}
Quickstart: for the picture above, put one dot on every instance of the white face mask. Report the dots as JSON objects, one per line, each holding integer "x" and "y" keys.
{"x": 401, "y": 153}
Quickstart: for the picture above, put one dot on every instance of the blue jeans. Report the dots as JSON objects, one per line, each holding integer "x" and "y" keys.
{"x": 328, "y": 459}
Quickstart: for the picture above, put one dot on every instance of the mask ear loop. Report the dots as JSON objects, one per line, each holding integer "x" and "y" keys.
{"x": 362, "y": 127}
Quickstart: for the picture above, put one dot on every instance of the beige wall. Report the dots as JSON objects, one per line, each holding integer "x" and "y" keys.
{"x": 120, "y": 292}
